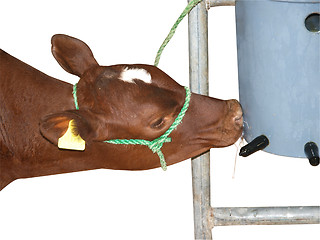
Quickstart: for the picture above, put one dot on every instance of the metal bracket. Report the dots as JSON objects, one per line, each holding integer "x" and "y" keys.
{"x": 217, "y": 3}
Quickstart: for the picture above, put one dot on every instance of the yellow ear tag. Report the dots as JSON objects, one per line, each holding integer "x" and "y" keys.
{"x": 71, "y": 139}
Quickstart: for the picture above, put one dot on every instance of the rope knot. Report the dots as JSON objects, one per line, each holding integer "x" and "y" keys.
{"x": 157, "y": 144}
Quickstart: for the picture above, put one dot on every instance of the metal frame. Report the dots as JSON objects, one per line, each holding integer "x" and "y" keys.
{"x": 206, "y": 217}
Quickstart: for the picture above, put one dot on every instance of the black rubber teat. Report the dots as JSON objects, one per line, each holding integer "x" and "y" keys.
{"x": 312, "y": 152}
{"x": 255, "y": 145}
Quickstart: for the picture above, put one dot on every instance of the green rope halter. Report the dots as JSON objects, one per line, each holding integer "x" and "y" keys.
{"x": 155, "y": 145}
{"x": 188, "y": 9}
{"x": 75, "y": 98}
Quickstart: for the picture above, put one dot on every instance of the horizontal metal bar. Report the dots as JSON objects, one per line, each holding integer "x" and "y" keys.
{"x": 217, "y": 3}
{"x": 265, "y": 215}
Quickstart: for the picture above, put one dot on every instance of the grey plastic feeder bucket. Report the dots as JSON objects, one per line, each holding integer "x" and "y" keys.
{"x": 279, "y": 72}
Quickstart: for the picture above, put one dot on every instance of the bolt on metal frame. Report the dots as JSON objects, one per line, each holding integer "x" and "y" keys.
{"x": 206, "y": 217}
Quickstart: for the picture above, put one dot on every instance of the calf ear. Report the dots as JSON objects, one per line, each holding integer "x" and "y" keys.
{"x": 72, "y": 129}
{"x": 73, "y": 55}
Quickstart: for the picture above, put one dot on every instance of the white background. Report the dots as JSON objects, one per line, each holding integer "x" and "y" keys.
{"x": 106, "y": 204}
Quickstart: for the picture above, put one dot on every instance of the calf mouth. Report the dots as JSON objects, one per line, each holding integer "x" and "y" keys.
{"x": 237, "y": 117}
{"x": 233, "y": 124}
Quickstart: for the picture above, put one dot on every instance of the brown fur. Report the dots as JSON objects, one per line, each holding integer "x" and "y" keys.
{"x": 35, "y": 111}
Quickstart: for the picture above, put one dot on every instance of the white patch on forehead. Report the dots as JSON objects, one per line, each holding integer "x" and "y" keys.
{"x": 129, "y": 74}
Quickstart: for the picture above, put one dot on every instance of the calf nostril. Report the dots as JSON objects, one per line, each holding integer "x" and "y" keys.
{"x": 238, "y": 118}
{"x": 238, "y": 112}
{"x": 235, "y": 111}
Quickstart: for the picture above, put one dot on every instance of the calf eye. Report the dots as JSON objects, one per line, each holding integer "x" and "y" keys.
{"x": 158, "y": 123}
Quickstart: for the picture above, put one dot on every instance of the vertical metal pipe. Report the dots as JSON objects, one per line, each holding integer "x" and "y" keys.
{"x": 198, "y": 70}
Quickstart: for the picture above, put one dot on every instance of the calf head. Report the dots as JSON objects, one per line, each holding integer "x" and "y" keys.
{"x": 138, "y": 102}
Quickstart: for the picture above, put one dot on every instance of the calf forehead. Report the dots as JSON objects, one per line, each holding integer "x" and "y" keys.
{"x": 122, "y": 86}
{"x": 120, "y": 95}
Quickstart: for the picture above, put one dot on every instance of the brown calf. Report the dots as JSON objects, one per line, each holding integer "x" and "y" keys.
{"x": 115, "y": 102}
